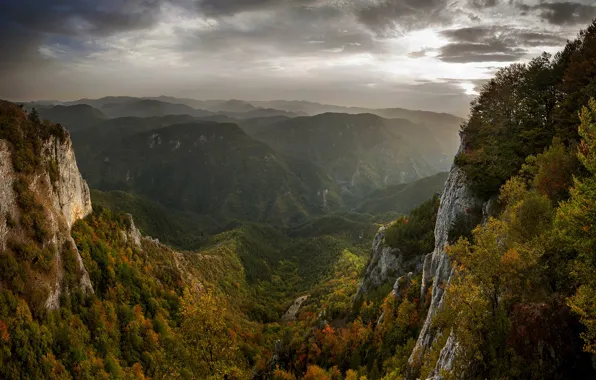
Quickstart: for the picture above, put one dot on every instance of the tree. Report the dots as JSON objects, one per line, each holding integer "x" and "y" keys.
{"x": 512, "y": 118}
{"x": 314, "y": 372}
{"x": 34, "y": 116}
{"x": 552, "y": 171}
{"x": 575, "y": 222}
{"x": 213, "y": 353}
{"x": 578, "y": 84}
{"x": 493, "y": 273}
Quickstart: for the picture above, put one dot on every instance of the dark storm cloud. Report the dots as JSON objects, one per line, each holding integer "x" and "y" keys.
{"x": 532, "y": 39}
{"x": 562, "y": 13}
{"x": 493, "y": 51}
{"x": 216, "y": 8}
{"x": 505, "y": 34}
{"x": 384, "y": 16}
{"x": 470, "y": 34}
{"x": 493, "y": 44}
{"x": 76, "y": 17}
{"x": 27, "y": 24}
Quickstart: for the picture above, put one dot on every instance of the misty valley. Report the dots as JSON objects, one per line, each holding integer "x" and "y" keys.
{"x": 204, "y": 236}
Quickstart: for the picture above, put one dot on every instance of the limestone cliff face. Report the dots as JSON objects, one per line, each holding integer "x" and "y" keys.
{"x": 64, "y": 197}
{"x": 8, "y": 198}
{"x": 387, "y": 264}
{"x": 70, "y": 194}
{"x": 457, "y": 199}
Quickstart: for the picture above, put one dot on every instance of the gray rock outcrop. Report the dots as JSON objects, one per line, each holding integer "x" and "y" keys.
{"x": 132, "y": 232}
{"x": 292, "y": 311}
{"x": 457, "y": 199}
{"x": 387, "y": 264}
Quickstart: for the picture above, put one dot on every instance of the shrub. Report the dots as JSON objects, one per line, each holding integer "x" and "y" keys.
{"x": 9, "y": 267}
{"x": 414, "y": 234}
{"x": 44, "y": 259}
{"x": 24, "y": 250}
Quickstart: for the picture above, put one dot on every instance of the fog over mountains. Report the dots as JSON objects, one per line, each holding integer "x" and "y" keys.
{"x": 283, "y": 160}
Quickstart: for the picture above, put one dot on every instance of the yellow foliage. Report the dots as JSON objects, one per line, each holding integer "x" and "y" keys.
{"x": 314, "y": 372}
{"x": 213, "y": 352}
{"x": 351, "y": 375}
{"x": 280, "y": 374}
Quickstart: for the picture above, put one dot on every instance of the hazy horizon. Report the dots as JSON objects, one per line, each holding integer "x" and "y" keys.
{"x": 429, "y": 55}
{"x": 156, "y": 97}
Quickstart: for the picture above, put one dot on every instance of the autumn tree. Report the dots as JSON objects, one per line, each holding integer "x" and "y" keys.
{"x": 551, "y": 172}
{"x": 314, "y": 372}
{"x": 213, "y": 352}
{"x": 576, "y": 226}
{"x": 492, "y": 273}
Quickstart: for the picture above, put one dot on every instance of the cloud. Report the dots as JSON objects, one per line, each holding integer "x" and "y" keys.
{"x": 562, "y": 13}
{"x": 73, "y": 17}
{"x": 385, "y": 16}
{"x": 480, "y": 4}
{"x": 491, "y": 51}
{"x": 419, "y": 53}
{"x": 307, "y": 32}
{"x": 26, "y": 25}
{"x": 494, "y": 44}
{"x": 217, "y": 8}
{"x": 508, "y": 34}
{"x": 360, "y": 52}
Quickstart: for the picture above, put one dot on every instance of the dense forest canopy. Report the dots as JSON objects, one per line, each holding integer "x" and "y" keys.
{"x": 521, "y": 110}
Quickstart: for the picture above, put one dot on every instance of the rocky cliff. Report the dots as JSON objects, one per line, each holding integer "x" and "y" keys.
{"x": 69, "y": 200}
{"x": 386, "y": 265}
{"x": 39, "y": 203}
{"x": 457, "y": 199}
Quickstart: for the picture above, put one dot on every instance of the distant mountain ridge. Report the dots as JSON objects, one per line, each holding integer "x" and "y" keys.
{"x": 72, "y": 117}
{"x": 120, "y": 106}
{"x": 290, "y": 108}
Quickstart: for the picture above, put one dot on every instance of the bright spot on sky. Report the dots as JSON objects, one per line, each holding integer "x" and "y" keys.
{"x": 469, "y": 88}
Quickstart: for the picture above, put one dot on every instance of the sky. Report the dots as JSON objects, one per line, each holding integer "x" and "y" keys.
{"x": 418, "y": 54}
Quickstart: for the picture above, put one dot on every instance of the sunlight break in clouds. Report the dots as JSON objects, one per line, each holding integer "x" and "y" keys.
{"x": 385, "y": 52}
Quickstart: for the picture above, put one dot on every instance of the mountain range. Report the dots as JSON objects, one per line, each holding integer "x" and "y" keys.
{"x": 213, "y": 163}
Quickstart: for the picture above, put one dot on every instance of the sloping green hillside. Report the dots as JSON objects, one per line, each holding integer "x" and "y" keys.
{"x": 402, "y": 198}
{"x": 182, "y": 229}
{"x": 360, "y": 152}
{"x": 213, "y": 169}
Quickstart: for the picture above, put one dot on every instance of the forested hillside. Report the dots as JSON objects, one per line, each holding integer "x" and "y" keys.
{"x": 84, "y": 295}
{"x": 213, "y": 169}
{"x": 529, "y": 145}
{"x": 508, "y": 291}
{"x": 362, "y": 152}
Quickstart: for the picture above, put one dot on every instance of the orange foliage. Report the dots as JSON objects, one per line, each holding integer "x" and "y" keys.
{"x": 314, "y": 372}
{"x": 4, "y": 335}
